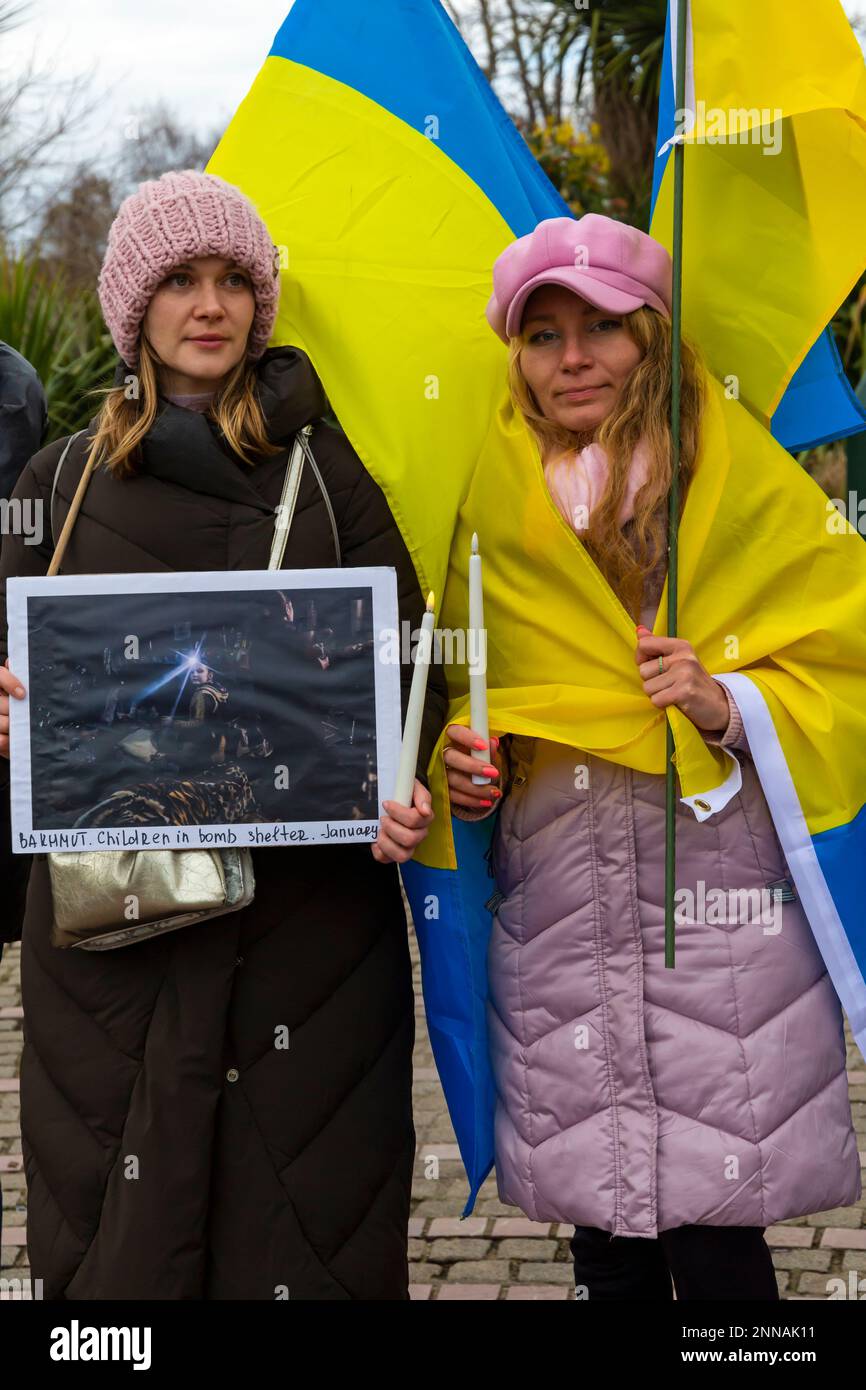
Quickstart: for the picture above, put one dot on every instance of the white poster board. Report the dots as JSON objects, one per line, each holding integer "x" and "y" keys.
{"x": 203, "y": 710}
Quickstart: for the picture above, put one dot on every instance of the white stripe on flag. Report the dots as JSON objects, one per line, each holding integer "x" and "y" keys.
{"x": 674, "y": 19}
{"x": 784, "y": 803}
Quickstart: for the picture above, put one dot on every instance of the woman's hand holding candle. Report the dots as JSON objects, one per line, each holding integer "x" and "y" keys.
{"x": 477, "y": 659}
{"x": 415, "y": 712}
{"x": 461, "y": 765}
{"x": 403, "y": 828}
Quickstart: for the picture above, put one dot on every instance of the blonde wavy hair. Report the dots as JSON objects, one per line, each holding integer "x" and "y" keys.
{"x": 642, "y": 411}
{"x": 126, "y": 416}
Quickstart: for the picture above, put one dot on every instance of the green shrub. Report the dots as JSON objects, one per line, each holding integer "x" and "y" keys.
{"x": 62, "y": 334}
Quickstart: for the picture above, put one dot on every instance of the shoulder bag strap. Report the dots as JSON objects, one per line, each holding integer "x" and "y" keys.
{"x": 324, "y": 491}
{"x": 300, "y": 450}
{"x": 61, "y": 543}
{"x": 286, "y": 508}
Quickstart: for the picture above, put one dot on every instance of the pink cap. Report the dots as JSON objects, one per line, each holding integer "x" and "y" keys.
{"x": 609, "y": 264}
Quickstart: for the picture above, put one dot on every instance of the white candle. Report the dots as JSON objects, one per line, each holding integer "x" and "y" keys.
{"x": 477, "y": 661}
{"x": 412, "y": 728}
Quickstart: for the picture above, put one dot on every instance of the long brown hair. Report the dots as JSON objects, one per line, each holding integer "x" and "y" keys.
{"x": 643, "y": 411}
{"x": 128, "y": 412}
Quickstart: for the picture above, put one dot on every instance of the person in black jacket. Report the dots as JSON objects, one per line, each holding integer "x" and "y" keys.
{"x": 23, "y": 420}
{"x": 223, "y": 1111}
{"x": 23, "y": 416}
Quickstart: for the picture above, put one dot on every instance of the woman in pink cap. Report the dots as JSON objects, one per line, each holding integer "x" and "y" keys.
{"x": 223, "y": 1111}
{"x": 671, "y": 1161}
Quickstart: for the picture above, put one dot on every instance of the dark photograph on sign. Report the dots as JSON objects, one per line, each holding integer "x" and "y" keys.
{"x": 215, "y": 708}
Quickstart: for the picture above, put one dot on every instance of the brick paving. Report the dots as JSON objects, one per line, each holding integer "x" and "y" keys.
{"x": 497, "y": 1253}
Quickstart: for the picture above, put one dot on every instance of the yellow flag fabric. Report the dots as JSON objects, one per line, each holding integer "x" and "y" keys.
{"x": 775, "y": 179}
{"x": 772, "y": 582}
{"x": 387, "y": 248}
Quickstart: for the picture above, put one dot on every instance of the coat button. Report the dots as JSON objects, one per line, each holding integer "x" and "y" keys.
{"x": 232, "y": 1074}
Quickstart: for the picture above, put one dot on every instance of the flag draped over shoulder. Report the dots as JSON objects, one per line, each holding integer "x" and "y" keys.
{"x": 772, "y": 596}
{"x": 390, "y": 179}
{"x": 775, "y": 202}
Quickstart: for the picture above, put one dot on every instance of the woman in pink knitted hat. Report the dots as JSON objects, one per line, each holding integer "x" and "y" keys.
{"x": 677, "y": 1134}
{"x": 222, "y": 1111}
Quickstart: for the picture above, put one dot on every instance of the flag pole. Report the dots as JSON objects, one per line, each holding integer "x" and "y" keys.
{"x": 674, "y": 494}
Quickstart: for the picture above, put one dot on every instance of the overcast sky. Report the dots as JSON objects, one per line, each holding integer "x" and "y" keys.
{"x": 200, "y": 56}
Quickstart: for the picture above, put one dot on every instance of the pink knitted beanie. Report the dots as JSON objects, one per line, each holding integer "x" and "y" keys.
{"x": 173, "y": 219}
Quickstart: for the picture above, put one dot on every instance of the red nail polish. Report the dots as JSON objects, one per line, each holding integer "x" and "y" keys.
{"x": 486, "y": 803}
{"x": 479, "y": 743}
{"x": 490, "y": 771}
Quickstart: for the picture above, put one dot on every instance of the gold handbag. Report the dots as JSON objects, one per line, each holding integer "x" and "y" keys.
{"x": 108, "y": 898}
{"x": 160, "y": 889}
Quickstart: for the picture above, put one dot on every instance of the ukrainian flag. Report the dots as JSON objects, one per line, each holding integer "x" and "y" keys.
{"x": 390, "y": 179}
{"x": 775, "y": 202}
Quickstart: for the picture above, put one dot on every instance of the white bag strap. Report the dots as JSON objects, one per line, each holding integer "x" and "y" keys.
{"x": 286, "y": 508}
{"x": 61, "y": 543}
{"x": 324, "y": 491}
{"x": 69, "y": 443}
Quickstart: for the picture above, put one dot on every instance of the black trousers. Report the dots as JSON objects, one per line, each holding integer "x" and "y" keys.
{"x": 730, "y": 1262}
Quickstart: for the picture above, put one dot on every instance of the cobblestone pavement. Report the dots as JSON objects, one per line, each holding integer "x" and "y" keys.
{"x": 496, "y": 1253}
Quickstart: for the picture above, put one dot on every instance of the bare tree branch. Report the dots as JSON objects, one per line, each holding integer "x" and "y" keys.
{"x": 11, "y": 16}
{"x": 38, "y": 113}
{"x": 518, "y": 50}
{"x": 490, "y": 39}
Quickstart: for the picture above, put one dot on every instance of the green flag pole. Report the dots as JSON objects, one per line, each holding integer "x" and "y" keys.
{"x": 674, "y": 494}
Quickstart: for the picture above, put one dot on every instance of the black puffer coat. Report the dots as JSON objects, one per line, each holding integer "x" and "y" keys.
{"x": 261, "y": 1172}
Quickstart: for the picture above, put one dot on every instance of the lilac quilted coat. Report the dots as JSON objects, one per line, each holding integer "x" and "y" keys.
{"x": 637, "y": 1098}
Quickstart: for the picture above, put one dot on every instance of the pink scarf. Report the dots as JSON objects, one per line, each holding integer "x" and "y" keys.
{"x": 577, "y": 485}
